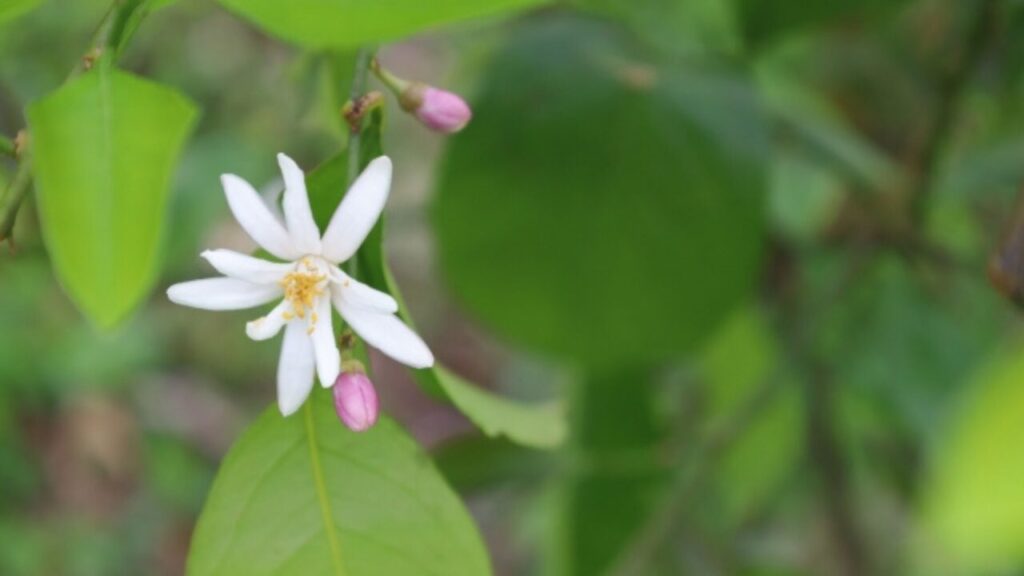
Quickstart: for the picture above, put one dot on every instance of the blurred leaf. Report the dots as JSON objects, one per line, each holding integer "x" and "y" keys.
{"x": 615, "y": 478}
{"x": 541, "y": 426}
{"x": 349, "y": 23}
{"x": 891, "y": 326}
{"x": 304, "y": 495}
{"x": 763, "y": 21}
{"x": 741, "y": 366}
{"x": 11, "y": 9}
{"x": 974, "y": 503}
{"x": 695, "y": 27}
{"x": 805, "y": 197}
{"x": 176, "y": 473}
{"x": 104, "y": 147}
{"x": 475, "y": 463}
{"x": 588, "y": 210}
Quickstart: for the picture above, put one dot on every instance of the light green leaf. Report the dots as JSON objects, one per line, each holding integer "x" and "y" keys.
{"x": 348, "y": 23}
{"x": 104, "y": 149}
{"x": 304, "y": 495}
{"x": 741, "y": 369}
{"x": 591, "y": 209}
{"x": 974, "y": 506}
{"x": 804, "y": 198}
{"x": 10, "y": 9}
{"x": 540, "y": 426}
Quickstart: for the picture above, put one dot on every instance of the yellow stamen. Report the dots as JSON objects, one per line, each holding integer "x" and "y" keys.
{"x": 302, "y": 289}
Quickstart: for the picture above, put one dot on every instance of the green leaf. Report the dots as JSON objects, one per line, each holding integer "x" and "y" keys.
{"x": 11, "y": 9}
{"x": 974, "y": 506}
{"x": 592, "y": 209}
{"x": 349, "y": 23}
{"x": 104, "y": 148}
{"x": 616, "y": 480}
{"x": 540, "y": 426}
{"x": 304, "y": 495}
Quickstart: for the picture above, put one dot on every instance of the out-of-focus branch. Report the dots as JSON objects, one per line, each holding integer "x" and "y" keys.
{"x": 951, "y": 86}
{"x": 15, "y": 193}
{"x": 636, "y": 558}
{"x": 359, "y": 78}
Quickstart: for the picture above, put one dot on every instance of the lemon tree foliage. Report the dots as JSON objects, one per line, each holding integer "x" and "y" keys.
{"x": 102, "y": 180}
{"x": 304, "y": 495}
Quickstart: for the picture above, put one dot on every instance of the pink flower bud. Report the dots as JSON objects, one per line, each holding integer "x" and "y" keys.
{"x": 355, "y": 401}
{"x": 437, "y": 109}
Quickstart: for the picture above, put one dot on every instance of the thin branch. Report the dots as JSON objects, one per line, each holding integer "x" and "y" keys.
{"x": 636, "y": 558}
{"x": 359, "y": 78}
{"x": 13, "y": 198}
{"x": 951, "y": 88}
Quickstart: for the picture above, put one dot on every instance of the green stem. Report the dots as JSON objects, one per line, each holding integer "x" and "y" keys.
{"x": 13, "y": 197}
{"x": 363, "y": 59}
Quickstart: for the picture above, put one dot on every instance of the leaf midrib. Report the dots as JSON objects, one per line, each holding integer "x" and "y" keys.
{"x": 321, "y": 491}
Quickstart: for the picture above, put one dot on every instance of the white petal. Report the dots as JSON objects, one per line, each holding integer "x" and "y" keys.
{"x": 295, "y": 369}
{"x": 297, "y": 213}
{"x": 266, "y": 327}
{"x": 358, "y": 211}
{"x": 386, "y": 333}
{"x": 362, "y": 295}
{"x": 245, "y": 267}
{"x": 328, "y": 359}
{"x": 222, "y": 294}
{"x": 256, "y": 219}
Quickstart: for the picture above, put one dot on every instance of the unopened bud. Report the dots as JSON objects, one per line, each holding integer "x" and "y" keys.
{"x": 437, "y": 109}
{"x": 355, "y": 401}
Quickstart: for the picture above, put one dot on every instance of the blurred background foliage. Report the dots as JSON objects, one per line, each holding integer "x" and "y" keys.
{"x": 745, "y": 241}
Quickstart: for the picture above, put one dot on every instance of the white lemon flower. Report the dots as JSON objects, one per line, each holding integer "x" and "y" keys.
{"x": 308, "y": 281}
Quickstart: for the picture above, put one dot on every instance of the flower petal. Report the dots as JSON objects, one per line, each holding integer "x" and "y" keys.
{"x": 358, "y": 211}
{"x": 295, "y": 369}
{"x": 328, "y": 359}
{"x": 245, "y": 267}
{"x": 362, "y": 295}
{"x": 386, "y": 333}
{"x": 266, "y": 327}
{"x": 256, "y": 219}
{"x": 297, "y": 213}
{"x": 222, "y": 294}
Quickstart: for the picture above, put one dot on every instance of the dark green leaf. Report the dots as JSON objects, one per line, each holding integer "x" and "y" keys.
{"x": 591, "y": 209}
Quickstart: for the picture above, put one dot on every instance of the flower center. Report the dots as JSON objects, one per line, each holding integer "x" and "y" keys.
{"x": 302, "y": 288}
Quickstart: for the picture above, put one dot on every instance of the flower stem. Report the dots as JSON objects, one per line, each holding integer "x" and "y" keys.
{"x": 363, "y": 59}
{"x": 13, "y": 197}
